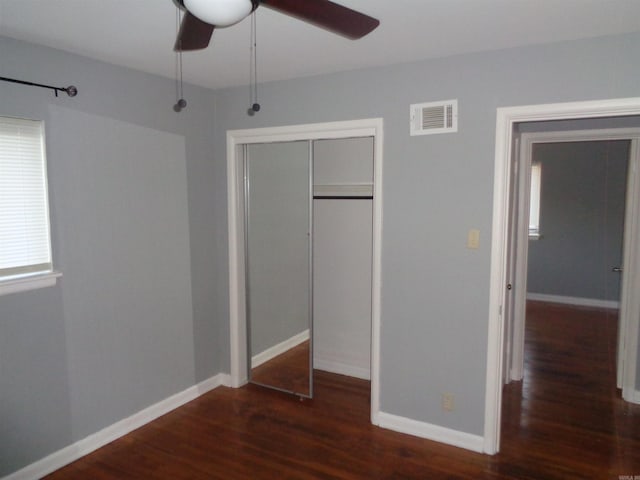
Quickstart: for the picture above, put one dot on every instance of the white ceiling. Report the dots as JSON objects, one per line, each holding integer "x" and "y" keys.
{"x": 140, "y": 33}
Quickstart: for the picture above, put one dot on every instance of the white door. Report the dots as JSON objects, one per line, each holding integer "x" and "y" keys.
{"x": 509, "y": 296}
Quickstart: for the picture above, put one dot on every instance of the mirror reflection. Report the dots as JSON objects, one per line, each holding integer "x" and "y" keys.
{"x": 278, "y": 265}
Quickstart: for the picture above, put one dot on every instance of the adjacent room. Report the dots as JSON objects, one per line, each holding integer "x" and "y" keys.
{"x": 297, "y": 242}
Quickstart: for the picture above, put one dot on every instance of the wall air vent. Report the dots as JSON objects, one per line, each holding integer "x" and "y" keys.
{"x": 434, "y": 117}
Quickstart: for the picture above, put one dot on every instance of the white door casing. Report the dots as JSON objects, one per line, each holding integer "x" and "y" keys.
{"x": 506, "y": 118}
{"x": 320, "y": 131}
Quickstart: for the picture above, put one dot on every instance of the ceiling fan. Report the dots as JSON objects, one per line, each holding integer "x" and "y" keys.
{"x": 203, "y": 16}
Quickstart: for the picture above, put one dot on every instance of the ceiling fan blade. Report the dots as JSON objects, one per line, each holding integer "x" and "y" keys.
{"x": 194, "y": 34}
{"x": 328, "y": 15}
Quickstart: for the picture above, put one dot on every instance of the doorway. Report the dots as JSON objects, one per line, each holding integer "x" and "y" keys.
{"x": 501, "y": 287}
{"x": 570, "y": 280}
{"x": 236, "y": 141}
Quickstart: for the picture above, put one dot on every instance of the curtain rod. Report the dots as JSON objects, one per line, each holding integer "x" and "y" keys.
{"x": 70, "y": 90}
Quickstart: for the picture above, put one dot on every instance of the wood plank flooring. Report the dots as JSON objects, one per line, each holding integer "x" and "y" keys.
{"x": 566, "y": 418}
{"x": 564, "y": 421}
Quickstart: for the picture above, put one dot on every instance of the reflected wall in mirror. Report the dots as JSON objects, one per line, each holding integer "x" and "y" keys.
{"x": 278, "y": 219}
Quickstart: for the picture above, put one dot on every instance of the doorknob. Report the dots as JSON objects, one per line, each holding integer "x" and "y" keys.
{"x": 617, "y": 269}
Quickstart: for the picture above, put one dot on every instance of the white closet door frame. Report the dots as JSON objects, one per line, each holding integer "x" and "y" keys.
{"x": 372, "y": 127}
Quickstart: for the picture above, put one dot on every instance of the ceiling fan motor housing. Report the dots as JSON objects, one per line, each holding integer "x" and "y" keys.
{"x": 220, "y": 13}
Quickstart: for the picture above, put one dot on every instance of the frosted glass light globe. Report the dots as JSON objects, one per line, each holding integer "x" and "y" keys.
{"x": 220, "y": 13}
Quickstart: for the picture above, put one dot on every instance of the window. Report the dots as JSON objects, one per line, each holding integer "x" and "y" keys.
{"x": 534, "y": 201}
{"x": 25, "y": 246}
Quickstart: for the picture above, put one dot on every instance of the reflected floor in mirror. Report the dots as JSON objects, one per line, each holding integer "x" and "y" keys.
{"x": 288, "y": 371}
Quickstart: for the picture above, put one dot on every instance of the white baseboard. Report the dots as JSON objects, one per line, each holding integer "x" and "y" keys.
{"x": 579, "y": 301}
{"x": 436, "y": 433}
{"x": 635, "y": 397}
{"x": 99, "y": 439}
{"x": 278, "y": 349}
{"x": 333, "y": 366}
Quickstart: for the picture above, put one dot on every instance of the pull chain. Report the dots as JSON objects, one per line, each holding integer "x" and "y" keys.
{"x": 253, "y": 68}
{"x": 180, "y": 101}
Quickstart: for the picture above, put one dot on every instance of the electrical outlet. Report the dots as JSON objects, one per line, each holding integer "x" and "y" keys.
{"x": 448, "y": 402}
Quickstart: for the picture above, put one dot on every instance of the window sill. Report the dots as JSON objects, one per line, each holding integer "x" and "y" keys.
{"x": 28, "y": 282}
{"x": 535, "y": 236}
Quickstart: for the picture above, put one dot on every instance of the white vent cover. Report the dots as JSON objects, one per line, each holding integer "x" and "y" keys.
{"x": 434, "y": 117}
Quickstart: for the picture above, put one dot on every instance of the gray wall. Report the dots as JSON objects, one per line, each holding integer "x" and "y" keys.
{"x": 435, "y": 292}
{"x": 581, "y": 219}
{"x": 136, "y": 316}
{"x": 631, "y": 121}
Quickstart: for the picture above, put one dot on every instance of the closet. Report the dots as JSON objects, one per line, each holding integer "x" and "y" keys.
{"x": 342, "y": 216}
{"x": 308, "y": 260}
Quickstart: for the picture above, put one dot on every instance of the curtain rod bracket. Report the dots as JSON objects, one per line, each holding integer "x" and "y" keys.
{"x": 71, "y": 90}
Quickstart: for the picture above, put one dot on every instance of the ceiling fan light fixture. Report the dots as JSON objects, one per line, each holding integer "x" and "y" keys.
{"x": 221, "y": 13}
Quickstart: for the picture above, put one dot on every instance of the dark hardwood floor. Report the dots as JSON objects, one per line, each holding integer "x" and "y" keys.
{"x": 564, "y": 421}
{"x": 568, "y": 399}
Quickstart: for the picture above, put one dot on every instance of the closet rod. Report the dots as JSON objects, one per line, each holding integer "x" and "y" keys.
{"x": 342, "y": 197}
{"x": 70, "y": 90}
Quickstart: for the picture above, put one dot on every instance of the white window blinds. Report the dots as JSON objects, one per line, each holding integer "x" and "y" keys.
{"x": 24, "y": 212}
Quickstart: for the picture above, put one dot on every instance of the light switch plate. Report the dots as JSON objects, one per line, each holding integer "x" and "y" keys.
{"x": 473, "y": 239}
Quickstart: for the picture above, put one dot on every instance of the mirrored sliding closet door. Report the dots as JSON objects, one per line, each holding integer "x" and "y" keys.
{"x": 278, "y": 265}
